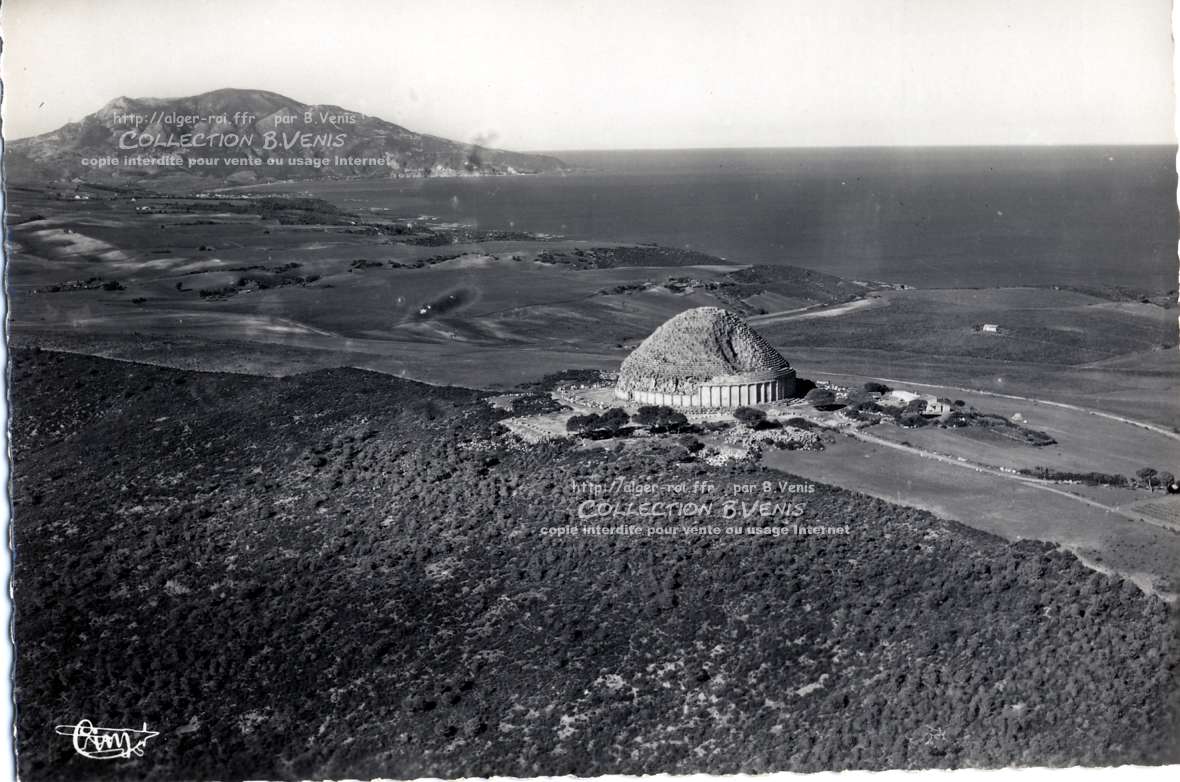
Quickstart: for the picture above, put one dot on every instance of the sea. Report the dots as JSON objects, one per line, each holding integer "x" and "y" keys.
{"x": 925, "y": 217}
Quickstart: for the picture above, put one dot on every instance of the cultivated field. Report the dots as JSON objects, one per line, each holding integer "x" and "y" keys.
{"x": 1104, "y": 538}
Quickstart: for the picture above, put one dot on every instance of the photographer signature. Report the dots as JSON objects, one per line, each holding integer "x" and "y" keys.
{"x": 92, "y": 741}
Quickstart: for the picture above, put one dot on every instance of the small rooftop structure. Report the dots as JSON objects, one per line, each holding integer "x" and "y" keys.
{"x": 899, "y": 397}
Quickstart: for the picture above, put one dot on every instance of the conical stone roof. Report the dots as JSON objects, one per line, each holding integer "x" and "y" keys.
{"x": 696, "y": 346}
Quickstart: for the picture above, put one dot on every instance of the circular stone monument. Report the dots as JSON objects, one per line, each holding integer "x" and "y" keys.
{"x": 705, "y": 358}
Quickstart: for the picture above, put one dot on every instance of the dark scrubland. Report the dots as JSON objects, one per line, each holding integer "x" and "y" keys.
{"x": 342, "y": 574}
{"x": 624, "y": 256}
{"x": 1089, "y": 478}
{"x": 793, "y": 281}
{"x": 732, "y": 289}
{"x": 536, "y": 404}
{"x": 438, "y": 236}
{"x": 256, "y": 282}
{"x": 283, "y": 210}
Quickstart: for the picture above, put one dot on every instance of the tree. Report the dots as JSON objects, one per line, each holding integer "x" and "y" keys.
{"x": 857, "y": 396}
{"x": 1037, "y": 438}
{"x": 912, "y": 420}
{"x": 583, "y": 423}
{"x": 611, "y": 422}
{"x": 820, "y": 398}
{"x": 659, "y": 418}
{"x": 1148, "y": 475}
{"x": 614, "y": 420}
{"x": 750, "y": 416}
{"x": 863, "y": 410}
{"x": 691, "y": 444}
{"x": 915, "y": 406}
{"x": 956, "y": 419}
{"x": 873, "y": 387}
{"x": 1165, "y": 479}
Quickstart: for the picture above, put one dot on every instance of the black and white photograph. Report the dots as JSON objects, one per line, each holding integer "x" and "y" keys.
{"x": 546, "y": 388}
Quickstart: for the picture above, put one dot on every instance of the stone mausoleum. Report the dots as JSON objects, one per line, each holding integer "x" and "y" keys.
{"x": 705, "y": 358}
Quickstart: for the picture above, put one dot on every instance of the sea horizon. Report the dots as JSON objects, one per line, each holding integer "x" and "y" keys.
{"x": 792, "y": 147}
{"x": 1081, "y": 216}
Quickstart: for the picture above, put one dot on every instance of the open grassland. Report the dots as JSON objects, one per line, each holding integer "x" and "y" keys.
{"x": 1128, "y": 450}
{"x": 1001, "y": 505}
{"x": 344, "y": 575}
{"x": 1054, "y": 327}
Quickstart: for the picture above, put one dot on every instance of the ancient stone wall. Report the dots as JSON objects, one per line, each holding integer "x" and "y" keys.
{"x": 719, "y": 394}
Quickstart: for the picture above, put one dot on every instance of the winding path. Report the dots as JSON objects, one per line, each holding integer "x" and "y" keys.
{"x": 814, "y": 311}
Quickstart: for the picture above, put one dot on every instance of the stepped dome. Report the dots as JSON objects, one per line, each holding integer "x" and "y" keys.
{"x": 704, "y": 358}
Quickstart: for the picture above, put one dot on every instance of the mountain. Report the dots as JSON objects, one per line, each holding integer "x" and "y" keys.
{"x": 242, "y": 136}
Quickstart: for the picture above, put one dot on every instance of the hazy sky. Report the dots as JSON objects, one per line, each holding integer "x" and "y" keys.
{"x": 558, "y": 74}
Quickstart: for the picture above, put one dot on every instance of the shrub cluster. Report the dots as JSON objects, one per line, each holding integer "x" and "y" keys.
{"x": 660, "y": 418}
{"x": 535, "y": 404}
{"x": 1090, "y": 478}
{"x": 615, "y": 257}
{"x": 607, "y": 424}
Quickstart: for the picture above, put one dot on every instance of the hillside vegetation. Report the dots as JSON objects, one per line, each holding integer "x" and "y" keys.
{"x": 343, "y": 574}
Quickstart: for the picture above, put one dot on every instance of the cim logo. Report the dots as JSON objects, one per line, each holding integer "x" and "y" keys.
{"x": 92, "y": 741}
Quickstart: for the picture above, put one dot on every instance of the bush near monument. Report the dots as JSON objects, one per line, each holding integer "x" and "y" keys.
{"x": 751, "y": 417}
{"x": 659, "y": 418}
{"x": 821, "y": 399}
